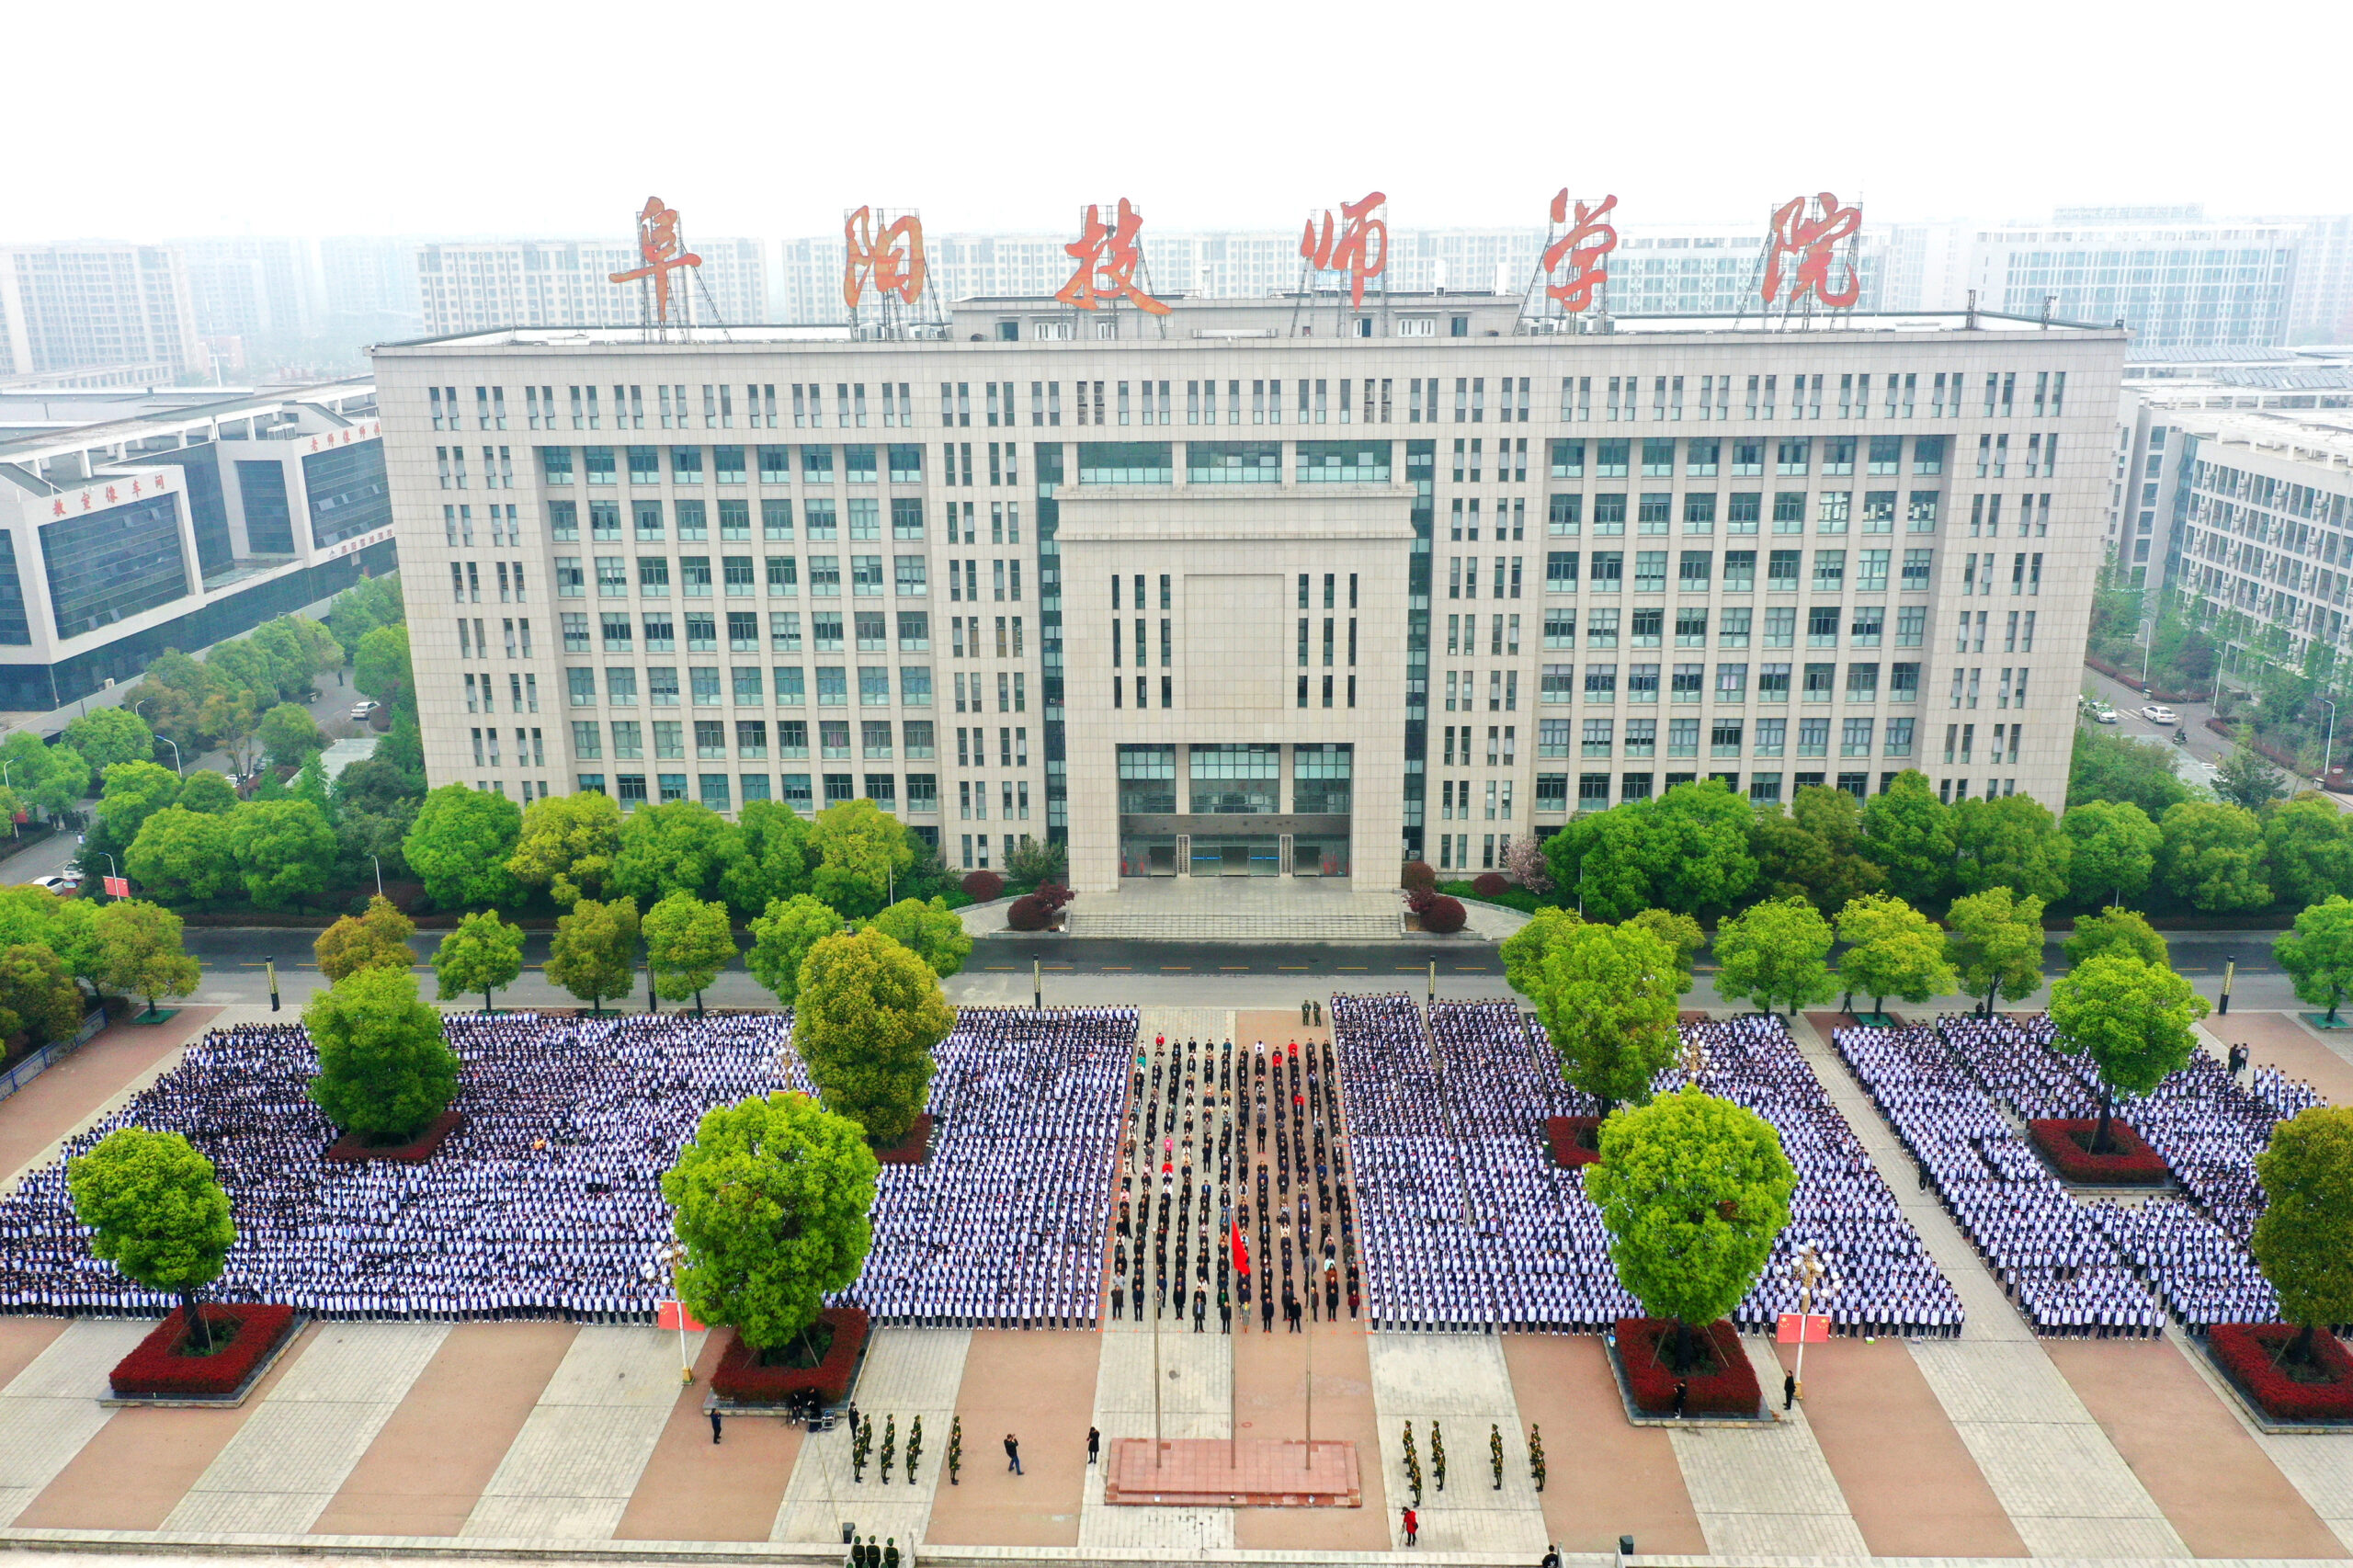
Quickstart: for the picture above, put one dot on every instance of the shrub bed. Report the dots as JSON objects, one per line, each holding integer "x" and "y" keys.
{"x": 912, "y": 1150}
{"x": 1489, "y": 885}
{"x": 741, "y": 1377}
{"x": 2065, "y": 1141}
{"x": 1441, "y": 915}
{"x": 1574, "y": 1140}
{"x": 1729, "y": 1389}
{"x": 984, "y": 885}
{"x": 164, "y": 1368}
{"x": 2249, "y": 1352}
{"x": 349, "y": 1148}
{"x": 1507, "y": 897}
{"x": 1417, "y": 876}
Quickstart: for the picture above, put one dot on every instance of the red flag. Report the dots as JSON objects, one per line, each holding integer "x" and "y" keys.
{"x": 1241, "y": 1250}
{"x": 117, "y": 887}
{"x": 673, "y": 1316}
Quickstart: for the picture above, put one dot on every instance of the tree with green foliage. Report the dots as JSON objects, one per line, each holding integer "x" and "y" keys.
{"x": 677, "y": 847}
{"x": 37, "y": 995}
{"x": 402, "y": 749}
{"x": 1895, "y": 952}
{"x": 483, "y": 954}
{"x": 1816, "y": 851}
{"x": 461, "y": 845}
{"x": 1909, "y": 831}
{"x": 231, "y": 716}
{"x": 2132, "y": 1019}
{"x": 362, "y": 607}
{"x": 2318, "y": 954}
{"x": 157, "y": 1211}
{"x": 208, "y": 792}
{"x": 2115, "y": 929}
{"x": 771, "y": 1199}
{"x": 775, "y": 862}
{"x": 133, "y": 793}
{"x": 107, "y": 735}
{"x": 782, "y": 939}
{"x": 183, "y": 856}
{"x": 386, "y": 1072}
{"x": 2114, "y": 767}
{"x": 930, "y": 930}
{"x": 1523, "y": 951}
{"x": 310, "y": 785}
{"x": 284, "y": 849}
{"x": 380, "y": 667}
{"x": 1682, "y": 936}
{"x": 243, "y": 668}
{"x": 289, "y": 735}
{"x": 1601, "y": 862}
{"x": 687, "y": 942}
{"x": 1605, "y": 995}
{"x": 140, "y": 951}
{"x": 375, "y": 939}
{"x": 65, "y": 926}
{"x": 860, "y": 850}
{"x": 567, "y": 845}
{"x": 2011, "y": 843}
{"x": 2213, "y": 856}
{"x": 2310, "y": 846}
{"x": 595, "y": 952}
{"x": 1687, "y": 850}
{"x": 865, "y": 1022}
{"x": 2247, "y": 778}
{"x": 1995, "y": 940}
{"x": 2303, "y": 1240}
{"x": 1694, "y": 1191}
{"x": 1035, "y": 863}
{"x": 2115, "y": 849}
{"x": 1775, "y": 951}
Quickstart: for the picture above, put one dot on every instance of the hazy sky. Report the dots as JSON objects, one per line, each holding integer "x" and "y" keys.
{"x": 493, "y": 117}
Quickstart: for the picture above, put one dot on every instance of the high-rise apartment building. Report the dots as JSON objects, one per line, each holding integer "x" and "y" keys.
{"x": 259, "y": 290}
{"x": 370, "y": 287}
{"x": 2174, "y": 279}
{"x": 1206, "y": 596}
{"x": 133, "y": 522}
{"x": 477, "y": 286}
{"x": 97, "y": 313}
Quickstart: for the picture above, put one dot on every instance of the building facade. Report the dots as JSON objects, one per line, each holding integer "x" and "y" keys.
{"x": 97, "y": 313}
{"x": 2177, "y": 280}
{"x": 477, "y": 286}
{"x": 1203, "y": 593}
{"x": 134, "y": 523}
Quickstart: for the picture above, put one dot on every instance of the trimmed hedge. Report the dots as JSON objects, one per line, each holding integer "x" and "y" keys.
{"x": 984, "y": 886}
{"x": 1566, "y": 1136}
{"x": 2247, "y": 1352}
{"x": 1489, "y": 885}
{"x": 2132, "y": 1163}
{"x": 1510, "y": 898}
{"x": 741, "y": 1378}
{"x": 1418, "y": 875}
{"x": 1442, "y": 916}
{"x": 161, "y": 1367}
{"x": 1729, "y": 1390}
{"x": 1028, "y": 913}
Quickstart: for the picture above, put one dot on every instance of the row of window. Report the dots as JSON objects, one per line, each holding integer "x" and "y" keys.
{"x": 1604, "y": 571}
{"x": 858, "y": 518}
{"x": 716, "y": 790}
{"x": 1735, "y": 625}
{"x": 1743, "y": 512}
{"x": 780, "y": 577}
{"x": 1558, "y": 684}
{"x": 830, "y": 632}
{"x": 710, "y": 738}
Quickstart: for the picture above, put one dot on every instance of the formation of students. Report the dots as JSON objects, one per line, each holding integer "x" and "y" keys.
{"x": 1468, "y": 1224}
{"x": 1281, "y": 1235}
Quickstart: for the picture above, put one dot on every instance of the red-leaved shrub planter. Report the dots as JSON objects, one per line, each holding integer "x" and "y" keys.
{"x": 1418, "y": 874}
{"x": 1729, "y": 1391}
{"x": 912, "y": 1150}
{"x": 349, "y": 1148}
{"x": 154, "y": 1372}
{"x": 2129, "y": 1162}
{"x": 983, "y": 885}
{"x": 741, "y": 1378}
{"x": 1027, "y": 913}
{"x": 2247, "y": 1351}
{"x": 1442, "y": 916}
{"x": 1490, "y": 884}
{"x": 1567, "y": 1136}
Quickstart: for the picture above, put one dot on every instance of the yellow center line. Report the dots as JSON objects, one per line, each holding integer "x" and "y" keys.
{"x": 1001, "y": 966}
{"x": 1174, "y": 966}
{"x": 1234, "y": 968}
{"x": 1115, "y": 966}
{"x": 1291, "y": 966}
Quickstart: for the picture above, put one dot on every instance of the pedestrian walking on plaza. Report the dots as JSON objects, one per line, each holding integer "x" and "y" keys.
{"x": 1012, "y": 1454}
{"x": 1789, "y": 1390}
{"x": 1093, "y": 1444}
{"x": 1413, "y": 1527}
{"x": 1682, "y": 1396}
{"x": 714, "y": 1425}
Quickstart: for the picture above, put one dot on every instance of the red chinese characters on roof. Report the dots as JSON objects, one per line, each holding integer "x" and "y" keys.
{"x": 662, "y": 250}
{"x": 889, "y": 262}
{"x": 1809, "y": 236}
{"x": 1587, "y": 240}
{"x": 1359, "y": 248}
{"x": 1108, "y": 257}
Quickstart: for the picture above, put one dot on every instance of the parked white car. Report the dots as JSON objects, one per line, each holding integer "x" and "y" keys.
{"x": 60, "y": 885}
{"x": 2158, "y": 713}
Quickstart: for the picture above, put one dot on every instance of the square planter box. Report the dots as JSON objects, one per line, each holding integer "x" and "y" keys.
{"x": 1567, "y": 1137}
{"x": 2247, "y": 1353}
{"x": 349, "y": 1149}
{"x": 2129, "y": 1163}
{"x": 741, "y": 1379}
{"x": 915, "y": 1149}
{"x": 1731, "y": 1390}
{"x": 153, "y": 1373}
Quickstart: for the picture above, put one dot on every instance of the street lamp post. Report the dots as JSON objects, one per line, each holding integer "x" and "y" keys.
{"x": 179, "y": 765}
{"x": 2148, "y": 645}
{"x": 379, "y": 875}
{"x": 2328, "y": 745}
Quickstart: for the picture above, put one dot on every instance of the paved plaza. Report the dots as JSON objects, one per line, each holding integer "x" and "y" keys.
{"x": 522, "y": 1436}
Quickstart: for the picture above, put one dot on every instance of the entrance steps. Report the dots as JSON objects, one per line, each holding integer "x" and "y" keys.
{"x": 1241, "y": 920}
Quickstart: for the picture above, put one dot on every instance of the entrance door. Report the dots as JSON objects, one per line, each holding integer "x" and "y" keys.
{"x": 1236, "y": 861}
{"x": 1161, "y": 860}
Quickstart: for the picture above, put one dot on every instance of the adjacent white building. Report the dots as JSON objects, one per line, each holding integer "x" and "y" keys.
{"x": 474, "y": 285}
{"x": 97, "y": 313}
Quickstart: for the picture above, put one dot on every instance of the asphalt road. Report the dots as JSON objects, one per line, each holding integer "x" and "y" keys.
{"x": 2194, "y": 762}
{"x": 1079, "y": 970}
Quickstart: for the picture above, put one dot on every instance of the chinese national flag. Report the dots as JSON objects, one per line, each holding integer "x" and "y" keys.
{"x": 118, "y": 887}
{"x": 673, "y": 1314}
{"x": 1814, "y": 1328}
{"x": 1241, "y": 1250}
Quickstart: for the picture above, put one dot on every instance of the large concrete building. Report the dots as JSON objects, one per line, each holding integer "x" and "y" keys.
{"x": 1207, "y": 595}
{"x": 96, "y": 314}
{"x": 2178, "y": 279}
{"x": 473, "y": 286}
{"x": 132, "y": 522}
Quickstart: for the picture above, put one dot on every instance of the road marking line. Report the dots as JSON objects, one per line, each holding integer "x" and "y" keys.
{"x": 1291, "y": 966}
